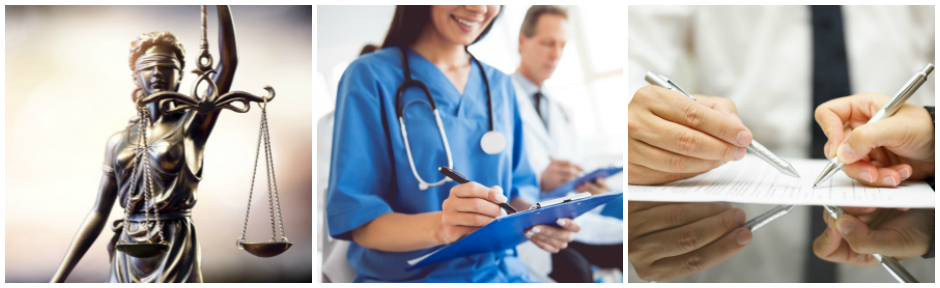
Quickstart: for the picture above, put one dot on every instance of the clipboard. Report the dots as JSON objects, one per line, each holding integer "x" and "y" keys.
{"x": 507, "y": 231}
{"x": 568, "y": 187}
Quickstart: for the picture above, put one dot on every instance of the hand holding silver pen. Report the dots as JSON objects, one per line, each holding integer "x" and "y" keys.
{"x": 665, "y": 237}
{"x": 897, "y": 145}
{"x": 889, "y": 231}
{"x": 754, "y": 148}
{"x": 672, "y": 138}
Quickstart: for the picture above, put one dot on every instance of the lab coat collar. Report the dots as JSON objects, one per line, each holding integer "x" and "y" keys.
{"x": 530, "y": 119}
{"x": 527, "y": 86}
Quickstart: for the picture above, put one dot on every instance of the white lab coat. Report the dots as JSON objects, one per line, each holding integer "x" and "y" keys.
{"x": 558, "y": 141}
{"x": 761, "y": 58}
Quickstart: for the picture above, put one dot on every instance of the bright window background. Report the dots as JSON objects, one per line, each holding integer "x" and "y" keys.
{"x": 589, "y": 78}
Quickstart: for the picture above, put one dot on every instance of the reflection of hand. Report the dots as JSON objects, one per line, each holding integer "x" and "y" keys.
{"x": 557, "y": 173}
{"x": 883, "y": 153}
{"x": 672, "y": 137}
{"x": 469, "y": 207}
{"x": 551, "y": 238}
{"x": 889, "y": 232}
{"x": 596, "y": 187}
{"x": 669, "y": 240}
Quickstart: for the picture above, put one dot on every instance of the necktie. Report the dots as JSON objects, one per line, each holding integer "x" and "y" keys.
{"x": 538, "y": 107}
{"x": 830, "y": 80}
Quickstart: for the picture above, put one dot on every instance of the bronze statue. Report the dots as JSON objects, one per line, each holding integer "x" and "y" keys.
{"x": 153, "y": 167}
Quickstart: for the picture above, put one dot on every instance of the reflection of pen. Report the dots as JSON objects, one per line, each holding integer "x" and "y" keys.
{"x": 889, "y": 109}
{"x": 891, "y": 264}
{"x": 459, "y": 178}
{"x": 771, "y": 215}
{"x": 755, "y": 148}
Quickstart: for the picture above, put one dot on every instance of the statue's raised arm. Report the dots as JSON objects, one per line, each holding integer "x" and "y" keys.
{"x": 204, "y": 109}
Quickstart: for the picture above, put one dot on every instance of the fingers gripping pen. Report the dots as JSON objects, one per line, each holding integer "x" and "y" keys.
{"x": 459, "y": 178}
{"x": 890, "y": 264}
{"x": 755, "y": 148}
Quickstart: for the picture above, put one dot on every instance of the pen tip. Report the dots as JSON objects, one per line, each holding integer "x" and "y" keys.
{"x": 792, "y": 172}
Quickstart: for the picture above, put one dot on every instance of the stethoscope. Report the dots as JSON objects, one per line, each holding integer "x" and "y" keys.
{"x": 493, "y": 142}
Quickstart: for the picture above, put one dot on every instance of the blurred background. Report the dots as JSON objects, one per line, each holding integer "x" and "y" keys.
{"x": 588, "y": 79}
{"x": 68, "y": 88}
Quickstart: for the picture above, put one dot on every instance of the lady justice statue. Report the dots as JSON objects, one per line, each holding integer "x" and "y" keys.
{"x": 153, "y": 167}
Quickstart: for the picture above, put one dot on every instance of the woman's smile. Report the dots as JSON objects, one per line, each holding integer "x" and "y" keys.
{"x": 466, "y": 25}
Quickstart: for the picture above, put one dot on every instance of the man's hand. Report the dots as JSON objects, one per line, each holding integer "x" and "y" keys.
{"x": 883, "y": 153}
{"x": 557, "y": 173}
{"x": 889, "y": 232}
{"x": 596, "y": 187}
{"x": 669, "y": 240}
{"x": 672, "y": 137}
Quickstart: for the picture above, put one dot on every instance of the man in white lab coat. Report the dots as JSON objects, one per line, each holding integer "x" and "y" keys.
{"x": 553, "y": 150}
{"x": 764, "y": 59}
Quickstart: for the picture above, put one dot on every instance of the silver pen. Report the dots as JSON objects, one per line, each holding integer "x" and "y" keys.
{"x": 755, "y": 148}
{"x": 890, "y": 264}
{"x": 771, "y": 215}
{"x": 834, "y": 166}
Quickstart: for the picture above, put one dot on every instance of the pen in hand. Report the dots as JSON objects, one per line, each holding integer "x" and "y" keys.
{"x": 754, "y": 148}
{"x": 834, "y": 165}
{"x": 890, "y": 263}
{"x": 459, "y": 178}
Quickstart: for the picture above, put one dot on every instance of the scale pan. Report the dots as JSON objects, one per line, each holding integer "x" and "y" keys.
{"x": 264, "y": 249}
{"x": 143, "y": 250}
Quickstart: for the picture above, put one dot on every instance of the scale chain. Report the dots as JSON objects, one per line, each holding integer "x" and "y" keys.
{"x": 267, "y": 169}
{"x": 253, "y": 173}
{"x": 143, "y": 135}
{"x": 270, "y": 157}
{"x": 134, "y": 175}
{"x": 156, "y": 210}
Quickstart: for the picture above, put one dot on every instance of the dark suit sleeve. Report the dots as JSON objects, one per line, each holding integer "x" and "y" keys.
{"x": 931, "y": 252}
{"x": 933, "y": 119}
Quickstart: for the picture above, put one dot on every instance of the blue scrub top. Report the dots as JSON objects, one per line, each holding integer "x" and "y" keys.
{"x": 369, "y": 163}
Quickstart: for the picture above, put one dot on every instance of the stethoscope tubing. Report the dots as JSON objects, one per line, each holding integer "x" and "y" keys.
{"x": 399, "y": 109}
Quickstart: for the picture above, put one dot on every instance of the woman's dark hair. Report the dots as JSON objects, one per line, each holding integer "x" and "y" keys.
{"x": 409, "y": 20}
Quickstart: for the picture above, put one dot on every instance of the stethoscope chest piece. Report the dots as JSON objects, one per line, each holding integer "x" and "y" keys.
{"x": 493, "y": 142}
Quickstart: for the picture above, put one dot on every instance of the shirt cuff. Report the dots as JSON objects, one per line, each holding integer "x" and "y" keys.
{"x": 933, "y": 119}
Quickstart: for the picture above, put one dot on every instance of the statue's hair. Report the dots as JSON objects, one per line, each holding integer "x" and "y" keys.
{"x": 147, "y": 40}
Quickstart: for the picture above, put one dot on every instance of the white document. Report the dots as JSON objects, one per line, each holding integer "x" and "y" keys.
{"x": 751, "y": 180}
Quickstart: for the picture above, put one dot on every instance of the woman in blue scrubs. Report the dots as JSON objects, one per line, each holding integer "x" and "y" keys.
{"x": 375, "y": 197}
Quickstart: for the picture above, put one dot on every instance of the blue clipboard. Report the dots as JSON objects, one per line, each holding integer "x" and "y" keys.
{"x": 563, "y": 190}
{"x": 506, "y": 232}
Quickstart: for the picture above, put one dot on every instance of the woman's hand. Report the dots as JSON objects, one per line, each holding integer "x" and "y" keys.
{"x": 883, "y": 153}
{"x": 551, "y": 238}
{"x": 672, "y": 137}
{"x": 469, "y": 207}
{"x": 853, "y": 237}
